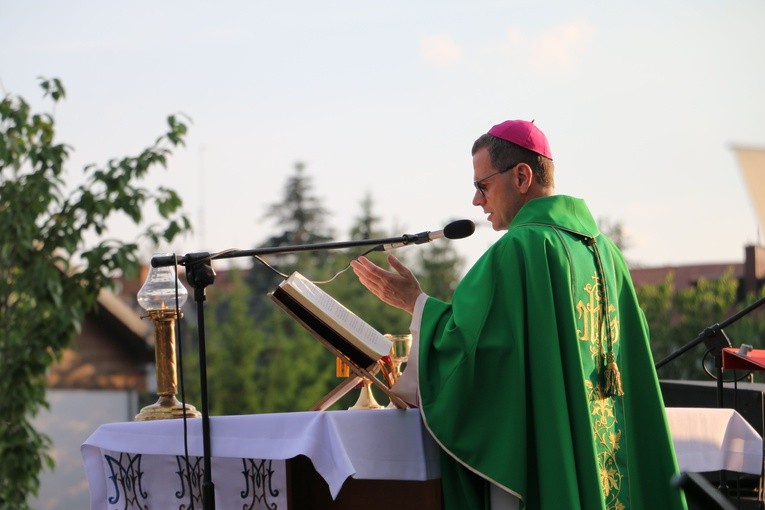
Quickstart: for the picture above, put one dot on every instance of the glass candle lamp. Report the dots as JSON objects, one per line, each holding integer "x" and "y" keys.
{"x": 158, "y": 297}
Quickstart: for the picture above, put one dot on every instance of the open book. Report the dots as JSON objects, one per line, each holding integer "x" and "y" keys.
{"x": 335, "y": 323}
{"x": 339, "y": 329}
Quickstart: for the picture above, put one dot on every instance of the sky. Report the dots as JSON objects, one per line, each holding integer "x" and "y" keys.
{"x": 642, "y": 103}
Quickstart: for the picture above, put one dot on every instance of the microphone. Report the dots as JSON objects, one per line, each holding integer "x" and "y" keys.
{"x": 455, "y": 230}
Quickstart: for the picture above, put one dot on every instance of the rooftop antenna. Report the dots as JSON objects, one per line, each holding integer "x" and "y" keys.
{"x": 202, "y": 230}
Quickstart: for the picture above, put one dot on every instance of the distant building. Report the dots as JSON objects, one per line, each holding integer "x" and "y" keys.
{"x": 111, "y": 352}
{"x": 750, "y": 273}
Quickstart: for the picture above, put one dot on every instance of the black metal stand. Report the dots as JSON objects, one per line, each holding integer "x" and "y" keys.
{"x": 200, "y": 275}
{"x": 716, "y": 340}
{"x": 698, "y": 490}
{"x": 711, "y": 335}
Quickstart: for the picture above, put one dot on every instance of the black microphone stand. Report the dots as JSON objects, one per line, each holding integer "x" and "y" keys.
{"x": 716, "y": 340}
{"x": 713, "y": 337}
{"x": 200, "y": 275}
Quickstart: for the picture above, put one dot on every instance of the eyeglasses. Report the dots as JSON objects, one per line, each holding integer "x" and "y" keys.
{"x": 481, "y": 187}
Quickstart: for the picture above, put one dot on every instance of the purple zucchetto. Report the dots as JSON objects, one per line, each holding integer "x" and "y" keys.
{"x": 525, "y": 134}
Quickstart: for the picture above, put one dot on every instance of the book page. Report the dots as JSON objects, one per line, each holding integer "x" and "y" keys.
{"x": 364, "y": 336}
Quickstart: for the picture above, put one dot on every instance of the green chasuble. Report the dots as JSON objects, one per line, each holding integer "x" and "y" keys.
{"x": 539, "y": 376}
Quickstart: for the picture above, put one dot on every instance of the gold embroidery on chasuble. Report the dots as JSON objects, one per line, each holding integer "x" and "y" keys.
{"x": 607, "y": 434}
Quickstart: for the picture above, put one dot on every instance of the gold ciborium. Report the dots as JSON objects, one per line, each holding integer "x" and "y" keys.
{"x": 366, "y": 398}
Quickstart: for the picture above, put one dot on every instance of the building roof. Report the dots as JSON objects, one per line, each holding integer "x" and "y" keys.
{"x": 111, "y": 351}
{"x": 685, "y": 276}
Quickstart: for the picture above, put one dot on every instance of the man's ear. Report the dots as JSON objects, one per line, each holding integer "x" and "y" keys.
{"x": 524, "y": 177}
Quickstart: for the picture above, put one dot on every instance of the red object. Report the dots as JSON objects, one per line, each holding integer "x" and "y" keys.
{"x": 754, "y": 360}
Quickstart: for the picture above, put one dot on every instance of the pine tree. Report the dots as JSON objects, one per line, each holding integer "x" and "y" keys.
{"x": 302, "y": 219}
{"x": 365, "y": 226}
{"x": 300, "y": 213}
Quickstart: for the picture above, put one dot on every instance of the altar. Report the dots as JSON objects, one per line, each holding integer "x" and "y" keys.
{"x": 266, "y": 461}
{"x": 331, "y": 459}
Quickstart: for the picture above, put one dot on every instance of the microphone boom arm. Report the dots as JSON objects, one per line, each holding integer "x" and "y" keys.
{"x": 169, "y": 260}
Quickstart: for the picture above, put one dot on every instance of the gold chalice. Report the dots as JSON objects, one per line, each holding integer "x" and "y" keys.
{"x": 399, "y": 351}
{"x": 400, "y": 345}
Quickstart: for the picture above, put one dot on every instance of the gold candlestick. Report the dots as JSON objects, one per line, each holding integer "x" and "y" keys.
{"x": 157, "y": 297}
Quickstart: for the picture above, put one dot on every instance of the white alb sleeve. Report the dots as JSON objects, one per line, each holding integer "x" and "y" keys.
{"x": 406, "y": 386}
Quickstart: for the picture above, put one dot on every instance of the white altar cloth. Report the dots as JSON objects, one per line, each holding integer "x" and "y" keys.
{"x": 388, "y": 444}
{"x": 714, "y": 439}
